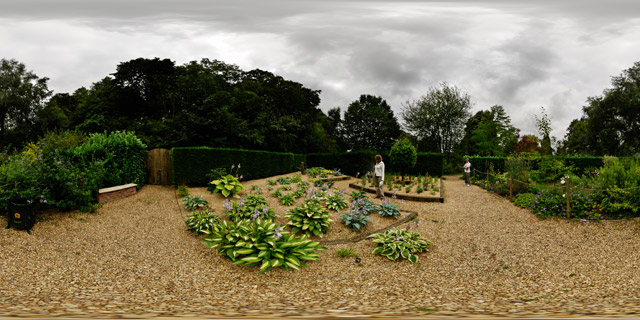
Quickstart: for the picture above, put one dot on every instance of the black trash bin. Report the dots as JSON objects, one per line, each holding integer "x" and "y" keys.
{"x": 21, "y": 214}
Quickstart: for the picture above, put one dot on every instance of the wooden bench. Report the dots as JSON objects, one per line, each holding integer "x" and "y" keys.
{"x": 117, "y": 192}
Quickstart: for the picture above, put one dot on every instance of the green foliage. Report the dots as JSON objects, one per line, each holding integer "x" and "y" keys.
{"x": 313, "y": 172}
{"x": 369, "y": 123}
{"x": 217, "y": 173}
{"x": 584, "y": 204}
{"x": 297, "y": 178}
{"x": 438, "y": 118}
{"x": 310, "y": 217}
{"x": 403, "y": 155}
{"x": 271, "y": 182}
{"x": 355, "y": 162}
{"x": 123, "y": 155}
{"x": 251, "y": 207}
{"x": 276, "y": 194}
{"x": 303, "y": 185}
{"x": 346, "y": 253}
{"x": 287, "y": 200}
{"x": 286, "y": 187}
{"x": 298, "y": 193}
{"x": 192, "y": 203}
{"x": 395, "y": 244}
{"x": 550, "y": 169}
{"x": 283, "y": 180}
{"x": 183, "y": 191}
{"x": 419, "y": 190}
{"x": 263, "y": 243}
{"x": 336, "y": 201}
{"x": 227, "y": 186}
{"x": 364, "y": 205}
{"x": 408, "y": 189}
{"x": 389, "y": 210}
{"x": 256, "y": 189}
{"x": 191, "y": 164}
{"x": 524, "y": 200}
{"x": 356, "y": 195}
{"x": 202, "y": 221}
{"x": 356, "y": 219}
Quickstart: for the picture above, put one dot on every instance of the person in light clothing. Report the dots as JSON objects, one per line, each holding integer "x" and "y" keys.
{"x": 379, "y": 175}
{"x": 467, "y": 172}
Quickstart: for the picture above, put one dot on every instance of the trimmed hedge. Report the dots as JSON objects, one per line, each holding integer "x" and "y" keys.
{"x": 580, "y": 163}
{"x": 362, "y": 161}
{"x": 191, "y": 165}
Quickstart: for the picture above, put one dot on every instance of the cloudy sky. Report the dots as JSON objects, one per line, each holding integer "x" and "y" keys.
{"x": 521, "y": 54}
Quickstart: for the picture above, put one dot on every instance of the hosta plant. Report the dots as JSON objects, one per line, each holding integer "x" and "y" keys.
{"x": 201, "y": 221}
{"x": 395, "y": 244}
{"x": 252, "y": 206}
{"x": 284, "y": 180}
{"x": 336, "y": 201}
{"x": 287, "y": 200}
{"x": 276, "y": 194}
{"x": 263, "y": 243}
{"x": 355, "y": 195}
{"x": 192, "y": 203}
{"x": 356, "y": 219}
{"x": 365, "y": 205}
{"x": 298, "y": 193}
{"x": 227, "y": 185}
{"x": 388, "y": 210}
{"x": 271, "y": 182}
{"x": 310, "y": 217}
{"x": 303, "y": 185}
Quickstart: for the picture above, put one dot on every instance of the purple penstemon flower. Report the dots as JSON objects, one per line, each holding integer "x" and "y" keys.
{"x": 227, "y": 205}
{"x": 255, "y": 215}
{"x": 241, "y": 203}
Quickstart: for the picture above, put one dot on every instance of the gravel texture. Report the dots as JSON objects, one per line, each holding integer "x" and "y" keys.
{"x": 134, "y": 257}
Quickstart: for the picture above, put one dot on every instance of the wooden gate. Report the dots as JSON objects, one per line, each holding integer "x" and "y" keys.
{"x": 158, "y": 164}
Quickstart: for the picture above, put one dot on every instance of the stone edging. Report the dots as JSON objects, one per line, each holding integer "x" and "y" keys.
{"x": 363, "y": 236}
{"x": 404, "y": 196}
{"x": 117, "y": 192}
{"x": 339, "y": 178}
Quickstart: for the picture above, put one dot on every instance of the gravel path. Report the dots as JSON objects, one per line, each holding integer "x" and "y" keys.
{"x": 135, "y": 257}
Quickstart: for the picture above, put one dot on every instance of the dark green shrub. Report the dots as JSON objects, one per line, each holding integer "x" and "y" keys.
{"x": 183, "y": 191}
{"x": 524, "y": 200}
{"x": 403, "y": 155}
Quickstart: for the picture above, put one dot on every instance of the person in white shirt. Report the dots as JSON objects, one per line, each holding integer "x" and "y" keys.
{"x": 467, "y": 172}
{"x": 379, "y": 175}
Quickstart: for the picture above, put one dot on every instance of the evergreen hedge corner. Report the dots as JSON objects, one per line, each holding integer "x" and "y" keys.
{"x": 191, "y": 165}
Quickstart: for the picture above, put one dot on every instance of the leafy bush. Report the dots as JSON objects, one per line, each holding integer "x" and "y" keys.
{"x": 271, "y": 182}
{"x": 298, "y": 193}
{"x": 276, "y": 194}
{"x": 183, "y": 191}
{"x": 524, "y": 200}
{"x": 192, "y": 203}
{"x": 356, "y": 195}
{"x": 286, "y": 187}
{"x": 287, "y": 200}
{"x": 395, "y": 244}
{"x": 310, "y": 217}
{"x": 314, "y": 171}
{"x": 261, "y": 242}
{"x": 584, "y": 204}
{"x": 217, "y": 173}
{"x": 202, "y": 221}
{"x": 336, "y": 201}
{"x": 404, "y": 155}
{"x": 419, "y": 190}
{"x": 364, "y": 205}
{"x": 356, "y": 219}
{"x": 227, "y": 185}
{"x": 297, "y": 178}
{"x": 303, "y": 185}
{"x": 284, "y": 180}
{"x": 388, "y": 210}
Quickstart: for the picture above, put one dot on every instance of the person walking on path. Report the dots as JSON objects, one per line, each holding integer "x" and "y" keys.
{"x": 467, "y": 172}
{"x": 379, "y": 175}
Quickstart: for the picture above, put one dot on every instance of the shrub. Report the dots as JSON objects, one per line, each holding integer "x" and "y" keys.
{"x": 272, "y": 182}
{"x": 356, "y": 195}
{"x": 310, "y": 217}
{"x": 276, "y": 194}
{"x": 192, "y": 203}
{"x": 298, "y": 193}
{"x": 303, "y": 185}
{"x": 287, "y": 200}
{"x": 419, "y": 190}
{"x": 227, "y": 186}
{"x": 364, "y": 205}
{"x": 296, "y": 178}
{"x": 284, "y": 180}
{"x": 183, "y": 191}
{"x": 336, "y": 201}
{"x": 356, "y": 219}
{"x": 286, "y": 187}
{"x": 201, "y": 221}
{"x": 263, "y": 243}
{"x": 404, "y": 155}
{"x": 524, "y": 200}
{"x": 395, "y": 244}
{"x": 388, "y": 210}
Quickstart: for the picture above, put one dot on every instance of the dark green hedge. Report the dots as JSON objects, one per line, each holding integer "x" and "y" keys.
{"x": 580, "y": 163}
{"x": 355, "y": 162}
{"x": 192, "y": 164}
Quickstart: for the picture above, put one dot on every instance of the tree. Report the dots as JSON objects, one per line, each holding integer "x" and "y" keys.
{"x": 544, "y": 129}
{"x": 369, "y": 123}
{"x": 438, "y": 117}
{"x": 494, "y": 135}
{"x": 610, "y": 123}
{"x": 22, "y": 95}
{"x": 403, "y": 155}
{"x": 528, "y": 143}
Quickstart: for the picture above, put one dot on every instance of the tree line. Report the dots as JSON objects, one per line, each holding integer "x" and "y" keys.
{"x": 212, "y": 103}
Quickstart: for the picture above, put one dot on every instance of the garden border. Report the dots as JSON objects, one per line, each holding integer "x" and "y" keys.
{"x": 335, "y": 178}
{"x": 403, "y": 196}
{"x": 412, "y": 215}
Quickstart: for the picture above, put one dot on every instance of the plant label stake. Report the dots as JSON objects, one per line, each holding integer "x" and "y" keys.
{"x": 568, "y": 197}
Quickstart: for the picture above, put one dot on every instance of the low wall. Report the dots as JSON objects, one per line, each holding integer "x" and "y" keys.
{"x": 117, "y": 192}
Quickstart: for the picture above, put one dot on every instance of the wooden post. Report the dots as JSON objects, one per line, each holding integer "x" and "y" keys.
{"x": 568, "y": 197}
{"x": 302, "y": 167}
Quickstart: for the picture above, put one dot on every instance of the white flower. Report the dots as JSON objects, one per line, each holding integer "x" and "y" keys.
{"x": 562, "y": 181}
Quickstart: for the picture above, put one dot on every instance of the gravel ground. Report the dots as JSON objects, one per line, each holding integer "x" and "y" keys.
{"x": 134, "y": 257}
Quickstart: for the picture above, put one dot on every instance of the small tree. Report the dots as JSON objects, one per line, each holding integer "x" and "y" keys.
{"x": 404, "y": 155}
